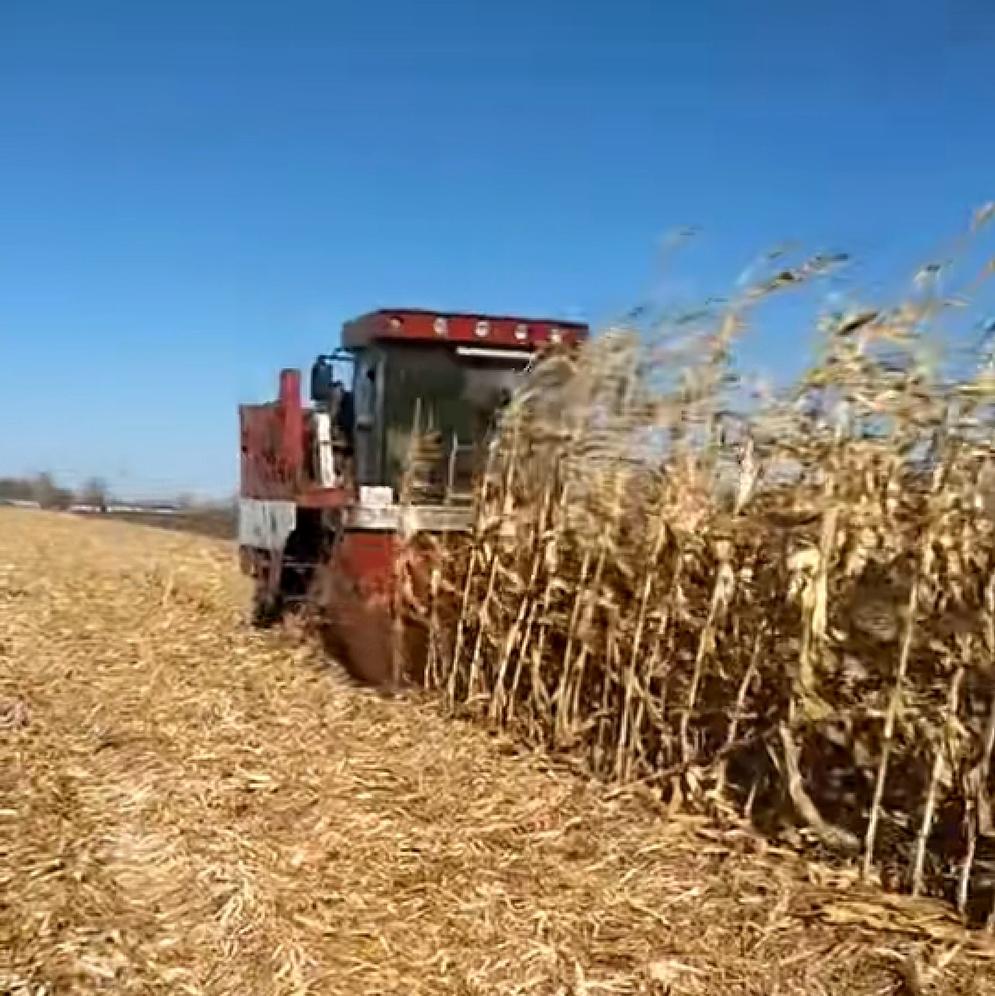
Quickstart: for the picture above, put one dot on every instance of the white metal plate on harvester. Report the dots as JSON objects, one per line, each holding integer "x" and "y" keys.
{"x": 265, "y": 523}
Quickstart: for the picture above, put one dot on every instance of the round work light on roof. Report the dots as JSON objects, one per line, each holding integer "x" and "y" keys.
{"x": 555, "y": 335}
{"x": 521, "y": 332}
{"x": 395, "y": 323}
{"x": 440, "y": 326}
{"x": 482, "y": 328}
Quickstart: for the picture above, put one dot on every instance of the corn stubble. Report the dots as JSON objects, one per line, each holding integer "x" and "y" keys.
{"x": 784, "y": 610}
{"x": 189, "y": 806}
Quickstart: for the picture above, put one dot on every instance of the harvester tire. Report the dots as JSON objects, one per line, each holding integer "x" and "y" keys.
{"x": 266, "y": 610}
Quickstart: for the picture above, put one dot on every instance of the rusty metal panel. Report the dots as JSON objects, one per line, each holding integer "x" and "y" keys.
{"x": 273, "y": 443}
{"x": 368, "y": 558}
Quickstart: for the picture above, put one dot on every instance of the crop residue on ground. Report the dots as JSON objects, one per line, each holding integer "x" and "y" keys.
{"x": 190, "y": 807}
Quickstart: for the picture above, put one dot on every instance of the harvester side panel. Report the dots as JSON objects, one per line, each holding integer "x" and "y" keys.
{"x": 272, "y": 443}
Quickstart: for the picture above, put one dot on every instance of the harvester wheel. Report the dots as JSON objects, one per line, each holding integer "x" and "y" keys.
{"x": 266, "y": 609}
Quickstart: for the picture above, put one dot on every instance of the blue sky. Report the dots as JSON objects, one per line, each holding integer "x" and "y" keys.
{"x": 193, "y": 194}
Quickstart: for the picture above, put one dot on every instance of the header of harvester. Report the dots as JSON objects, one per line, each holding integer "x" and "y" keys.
{"x": 415, "y": 325}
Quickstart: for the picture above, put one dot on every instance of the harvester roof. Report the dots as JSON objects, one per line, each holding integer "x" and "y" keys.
{"x": 495, "y": 331}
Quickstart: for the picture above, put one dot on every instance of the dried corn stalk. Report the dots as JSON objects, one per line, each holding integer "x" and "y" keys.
{"x": 786, "y": 608}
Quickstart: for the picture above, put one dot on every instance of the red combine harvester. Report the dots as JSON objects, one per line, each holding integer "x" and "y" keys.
{"x": 330, "y": 490}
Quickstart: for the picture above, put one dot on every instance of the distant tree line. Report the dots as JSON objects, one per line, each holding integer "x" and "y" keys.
{"x": 218, "y": 516}
{"x": 48, "y": 493}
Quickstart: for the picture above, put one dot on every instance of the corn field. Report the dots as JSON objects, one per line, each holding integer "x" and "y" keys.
{"x": 783, "y": 609}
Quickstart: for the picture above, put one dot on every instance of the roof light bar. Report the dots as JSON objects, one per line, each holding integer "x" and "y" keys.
{"x": 509, "y": 332}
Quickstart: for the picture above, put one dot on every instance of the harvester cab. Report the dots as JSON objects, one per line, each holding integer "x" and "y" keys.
{"x": 390, "y": 446}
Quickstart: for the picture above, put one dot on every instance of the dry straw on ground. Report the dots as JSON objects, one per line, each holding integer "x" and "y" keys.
{"x": 190, "y": 807}
{"x": 786, "y": 611}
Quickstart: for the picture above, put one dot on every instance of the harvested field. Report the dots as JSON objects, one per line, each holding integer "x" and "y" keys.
{"x": 220, "y": 523}
{"x": 190, "y": 807}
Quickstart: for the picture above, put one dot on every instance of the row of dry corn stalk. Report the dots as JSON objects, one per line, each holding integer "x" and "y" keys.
{"x": 784, "y": 607}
